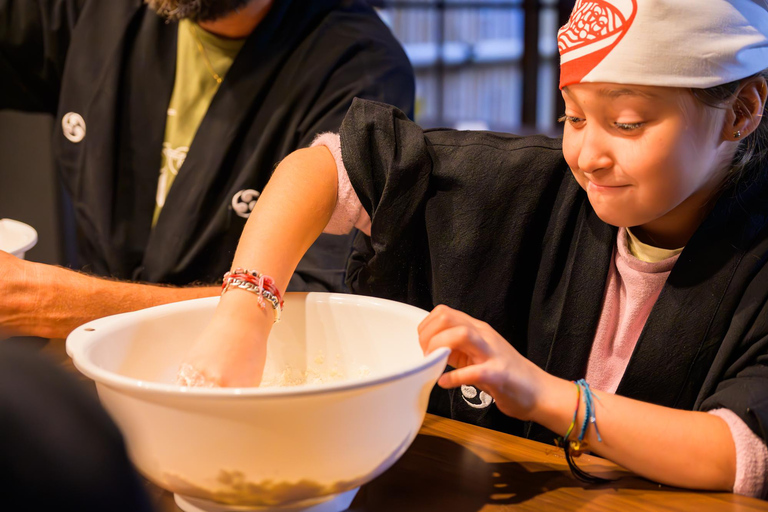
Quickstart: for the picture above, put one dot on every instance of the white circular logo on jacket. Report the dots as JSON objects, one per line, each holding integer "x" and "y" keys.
{"x": 475, "y": 398}
{"x": 73, "y": 126}
{"x": 244, "y": 201}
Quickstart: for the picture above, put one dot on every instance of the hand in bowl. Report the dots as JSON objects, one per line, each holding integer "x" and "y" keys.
{"x": 232, "y": 349}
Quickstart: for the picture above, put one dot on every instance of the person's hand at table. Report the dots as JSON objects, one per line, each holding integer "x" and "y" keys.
{"x": 49, "y": 301}
{"x": 484, "y": 359}
{"x": 653, "y": 441}
{"x": 16, "y": 301}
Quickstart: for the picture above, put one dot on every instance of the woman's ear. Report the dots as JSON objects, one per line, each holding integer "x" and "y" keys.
{"x": 745, "y": 111}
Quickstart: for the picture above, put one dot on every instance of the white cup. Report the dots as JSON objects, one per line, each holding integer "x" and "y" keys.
{"x": 16, "y": 237}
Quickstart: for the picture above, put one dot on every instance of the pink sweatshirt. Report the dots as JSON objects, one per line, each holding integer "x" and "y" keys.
{"x": 630, "y": 293}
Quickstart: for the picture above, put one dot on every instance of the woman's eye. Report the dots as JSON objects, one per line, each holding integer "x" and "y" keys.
{"x": 570, "y": 119}
{"x": 628, "y": 126}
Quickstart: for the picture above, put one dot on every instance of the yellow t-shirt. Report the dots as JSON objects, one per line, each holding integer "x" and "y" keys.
{"x": 648, "y": 253}
{"x": 199, "y": 56}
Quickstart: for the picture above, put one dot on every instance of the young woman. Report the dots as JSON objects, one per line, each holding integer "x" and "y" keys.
{"x": 642, "y": 269}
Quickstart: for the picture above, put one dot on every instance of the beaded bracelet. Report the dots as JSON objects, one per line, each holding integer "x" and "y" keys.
{"x": 573, "y": 421}
{"x": 252, "y": 281}
{"x": 255, "y": 278}
{"x": 574, "y": 448}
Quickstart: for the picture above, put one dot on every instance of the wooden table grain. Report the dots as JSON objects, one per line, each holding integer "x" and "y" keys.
{"x": 457, "y": 467}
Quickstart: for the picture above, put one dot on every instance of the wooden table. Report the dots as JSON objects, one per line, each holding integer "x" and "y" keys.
{"x": 456, "y": 467}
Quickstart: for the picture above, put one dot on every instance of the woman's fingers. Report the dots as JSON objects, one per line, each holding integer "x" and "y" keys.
{"x": 440, "y": 319}
{"x": 434, "y": 321}
{"x": 440, "y": 315}
{"x": 465, "y": 343}
{"x": 469, "y": 375}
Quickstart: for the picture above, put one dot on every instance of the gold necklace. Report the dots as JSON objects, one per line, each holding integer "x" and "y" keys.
{"x": 202, "y": 51}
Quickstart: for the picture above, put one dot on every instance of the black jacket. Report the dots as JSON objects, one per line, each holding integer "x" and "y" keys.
{"x": 113, "y": 63}
{"x": 496, "y": 226}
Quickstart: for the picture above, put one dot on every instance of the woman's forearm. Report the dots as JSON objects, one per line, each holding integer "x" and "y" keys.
{"x": 290, "y": 214}
{"x": 681, "y": 448}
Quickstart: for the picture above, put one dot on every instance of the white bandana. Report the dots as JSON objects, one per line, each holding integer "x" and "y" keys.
{"x": 672, "y": 43}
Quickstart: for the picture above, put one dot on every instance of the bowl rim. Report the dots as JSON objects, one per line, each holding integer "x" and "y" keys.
{"x": 78, "y": 351}
{"x": 29, "y": 235}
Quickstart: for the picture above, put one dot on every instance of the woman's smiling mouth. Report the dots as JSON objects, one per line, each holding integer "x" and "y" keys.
{"x": 595, "y": 187}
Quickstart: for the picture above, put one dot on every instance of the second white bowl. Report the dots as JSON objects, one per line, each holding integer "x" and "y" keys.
{"x": 16, "y": 237}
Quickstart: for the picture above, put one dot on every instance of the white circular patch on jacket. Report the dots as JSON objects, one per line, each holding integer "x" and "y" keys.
{"x": 244, "y": 201}
{"x": 73, "y": 126}
{"x": 476, "y": 398}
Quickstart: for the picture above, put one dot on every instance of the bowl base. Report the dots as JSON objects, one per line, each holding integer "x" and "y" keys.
{"x": 335, "y": 503}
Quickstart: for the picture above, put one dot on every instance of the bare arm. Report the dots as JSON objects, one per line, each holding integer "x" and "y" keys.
{"x": 682, "y": 448}
{"x": 49, "y": 301}
{"x": 295, "y": 206}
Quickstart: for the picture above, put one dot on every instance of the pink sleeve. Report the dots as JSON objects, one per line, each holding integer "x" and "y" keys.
{"x": 751, "y": 456}
{"x": 349, "y": 212}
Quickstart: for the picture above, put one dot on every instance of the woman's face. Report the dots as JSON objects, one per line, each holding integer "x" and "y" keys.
{"x": 645, "y": 155}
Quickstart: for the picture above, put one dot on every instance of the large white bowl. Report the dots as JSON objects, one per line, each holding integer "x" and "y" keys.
{"x": 16, "y": 237}
{"x": 305, "y": 447}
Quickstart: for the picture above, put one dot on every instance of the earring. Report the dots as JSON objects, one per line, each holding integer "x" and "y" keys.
{"x": 737, "y": 134}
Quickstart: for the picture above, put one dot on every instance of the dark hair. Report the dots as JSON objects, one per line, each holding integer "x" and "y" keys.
{"x": 196, "y": 10}
{"x": 751, "y": 156}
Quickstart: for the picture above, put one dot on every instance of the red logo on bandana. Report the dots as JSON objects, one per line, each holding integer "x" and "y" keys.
{"x": 593, "y": 30}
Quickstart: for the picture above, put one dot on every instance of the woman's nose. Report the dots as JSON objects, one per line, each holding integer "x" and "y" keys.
{"x": 594, "y": 153}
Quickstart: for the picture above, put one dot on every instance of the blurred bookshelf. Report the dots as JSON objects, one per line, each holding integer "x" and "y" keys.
{"x": 482, "y": 64}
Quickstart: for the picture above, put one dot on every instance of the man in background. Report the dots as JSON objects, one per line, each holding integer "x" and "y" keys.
{"x": 170, "y": 116}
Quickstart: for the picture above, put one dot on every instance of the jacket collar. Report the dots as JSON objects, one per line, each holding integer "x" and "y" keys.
{"x": 691, "y": 316}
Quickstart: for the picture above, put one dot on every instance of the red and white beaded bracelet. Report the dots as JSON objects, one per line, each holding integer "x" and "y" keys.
{"x": 252, "y": 281}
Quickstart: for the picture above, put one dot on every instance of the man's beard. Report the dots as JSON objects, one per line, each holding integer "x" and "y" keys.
{"x": 197, "y": 10}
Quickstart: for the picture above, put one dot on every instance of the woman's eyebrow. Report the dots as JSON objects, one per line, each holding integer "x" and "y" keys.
{"x": 617, "y": 93}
